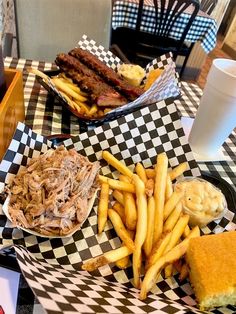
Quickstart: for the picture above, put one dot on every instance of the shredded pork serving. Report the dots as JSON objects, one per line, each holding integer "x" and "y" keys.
{"x": 51, "y": 194}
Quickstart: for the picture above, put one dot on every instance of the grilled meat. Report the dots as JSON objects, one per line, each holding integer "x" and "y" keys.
{"x": 110, "y": 76}
{"x": 100, "y": 92}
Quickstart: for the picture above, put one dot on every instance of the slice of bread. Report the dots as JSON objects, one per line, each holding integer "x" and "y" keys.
{"x": 212, "y": 263}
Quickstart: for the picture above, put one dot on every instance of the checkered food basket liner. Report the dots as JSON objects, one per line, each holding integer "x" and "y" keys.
{"x": 166, "y": 86}
{"x": 52, "y": 267}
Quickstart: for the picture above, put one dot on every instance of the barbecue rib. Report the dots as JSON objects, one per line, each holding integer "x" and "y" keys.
{"x": 110, "y": 76}
{"x": 100, "y": 92}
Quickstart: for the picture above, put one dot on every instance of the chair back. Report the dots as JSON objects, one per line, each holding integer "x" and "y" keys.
{"x": 141, "y": 46}
{"x": 167, "y": 14}
{"x": 208, "y": 6}
{"x": 44, "y": 28}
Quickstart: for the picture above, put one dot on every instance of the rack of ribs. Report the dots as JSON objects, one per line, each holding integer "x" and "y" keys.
{"x": 108, "y": 74}
{"x": 89, "y": 81}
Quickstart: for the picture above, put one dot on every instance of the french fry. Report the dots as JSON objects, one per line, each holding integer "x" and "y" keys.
{"x": 80, "y": 108}
{"x": 124, "y": 262}
{"x": 150, "y": 173}
{"x": 118, "y": 185}
{"x": 186, "y": 231}
{"x": 111, "y": 160}
{"x": 62, "y": 75}
{"x": 175, "y": 236}
{"x": 70, "y": 102}
{"x": 82, "y": 105}
{"x": 169, "y": 188}
{"x": 177, "y": 232}
{"x": 149, "y": 187}
{"x": 159, "y": 194}
{"x": 150, "y": 226}
{"x": 125, "y": 178}
{"x": 174, "y": 254}
{"x": 147, "y": 207}
{"x": 195, "y": 232}
{"x": 120, "y": 229}
{"x": 69, "y": 81}
{"x": 173, "y": 218}
{"x": 153, "y": 272}
{"x": 103, "y": 179}
{"x": 39, "y": 73}
{"x": 130, "y": 211}
{"x": 141, "y": 228}
{"x": 168, "y": 270}
{"x": 103, "y": 207}
{"x": 73, "y": 86}
{"x": 106, "y": 110}
{"x": 106, "y": 258}
{"x": 158, "y": 249}
{"x": 76, "y": 99}
{"x": 184, "y": 272}
{"x": 178, "y": 265}
{"x": 178, "y": 170}
{"x": 171, "y": 204}
{"x": 93, "y": 110}
{"x": 140, "y": 170}
{"x": 67, "y": 89}
{"x": 130, "y": 207}
{"x": 120, "y": 210}
{"x": 118, "y": 196}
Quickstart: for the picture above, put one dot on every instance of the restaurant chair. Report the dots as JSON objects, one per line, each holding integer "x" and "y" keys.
{"x": 141, "y": 47}
{"x": 206, "y": 6}
{"x": 46, "y": 27}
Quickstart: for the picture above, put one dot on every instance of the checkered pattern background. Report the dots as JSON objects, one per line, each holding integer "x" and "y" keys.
{"x": 203, "y": 29}
{"x": 166, "y": 86}
{"x": 46, "y": 116}
{"x": 64, "y": 291}
{"x": 50, "y": 268}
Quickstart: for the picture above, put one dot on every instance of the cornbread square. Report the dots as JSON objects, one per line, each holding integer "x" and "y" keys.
{"x": 212, "y": 263}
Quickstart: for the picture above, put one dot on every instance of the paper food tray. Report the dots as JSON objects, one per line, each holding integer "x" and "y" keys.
{"x": 166, "y": 86}
{"x": 52, "y": 267}
{"x": 91, "y": 201}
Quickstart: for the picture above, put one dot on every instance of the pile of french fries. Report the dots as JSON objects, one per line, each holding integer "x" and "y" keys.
{"x": 76, "y": 99}
{"x": 147, "y": 216}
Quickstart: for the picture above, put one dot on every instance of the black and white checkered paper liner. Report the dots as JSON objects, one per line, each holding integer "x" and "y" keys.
{"x": 170, "y": 78}
{"x": 166, "y": 86}
{"x": 52, "y": 267}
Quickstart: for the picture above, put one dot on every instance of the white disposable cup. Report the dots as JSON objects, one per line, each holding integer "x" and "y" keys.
{"x": 216, "y": 115}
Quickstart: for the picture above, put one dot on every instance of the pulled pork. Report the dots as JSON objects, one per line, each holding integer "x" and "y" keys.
{"x": 51, "y": 194}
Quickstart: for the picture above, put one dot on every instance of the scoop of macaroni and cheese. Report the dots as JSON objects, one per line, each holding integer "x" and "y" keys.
{"x": 132, "y": 73}
{"x": 201, "y": 200}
